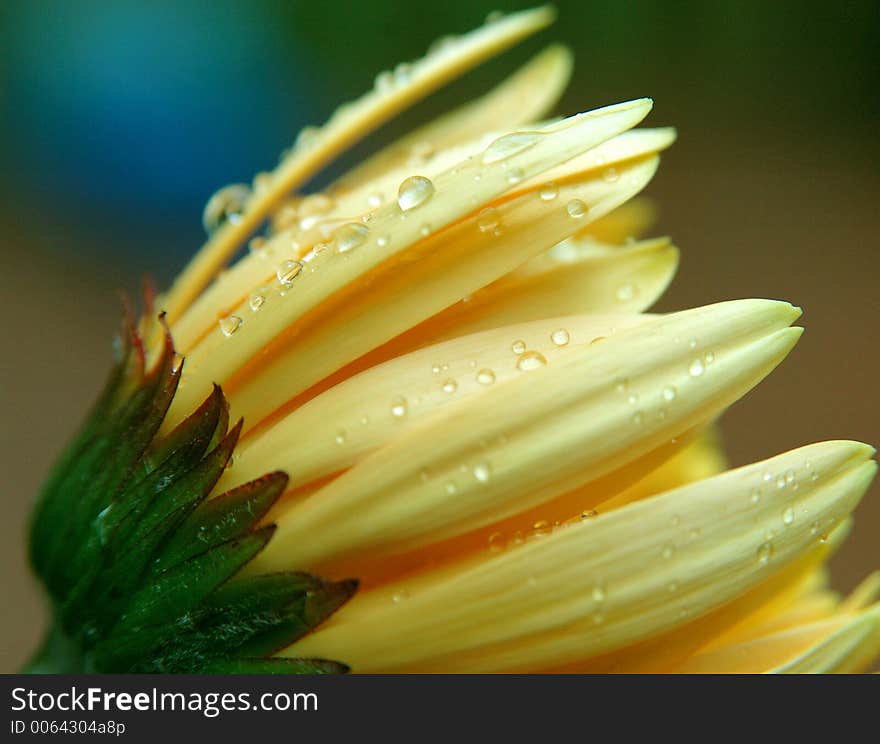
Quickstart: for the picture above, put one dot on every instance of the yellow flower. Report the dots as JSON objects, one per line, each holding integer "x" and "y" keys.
{"x": 449, "y": 354}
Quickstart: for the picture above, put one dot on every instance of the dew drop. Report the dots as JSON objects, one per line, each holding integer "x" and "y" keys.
{"x": 306, "y": 138}
{"x": 610, "y": 175}
{"x": 576, "y": 208}
{"x": 384, "y": 81}
{"x": 514, "y": 176}
{"x": 341, "y": 436}
{"x": 560, "y": 337}
{"x": 708, "y": 357}
{"x": 482, "y": 472}
{"x": 414, "y": 192}
{"x": 383, "y": 241}
{"x": 696, "y": 368}
{"x": 288, "y": 271}
{"x": 450, "y": 386}
{"x": 450, "y": 488}
{"x": 518, "y": 347}
{"x": 496, "y": 542}
{"x": 485, "y": 377}
{"x": 402, "y": 73}
{"x": 530, "y": 360}
{"x": 398, "y": 407}
{"x": 625, "y": 292}
{"x": 548, "y": 192}
{"x": 599, "y": 593}
{"x": 374, "y": 200}
{"x": 488, "y": 220}
{"x": 669, "y": 392}
{"x": 509, "y": 145}
{"x": 256, "y": 301}
{"x": 350, "y": 236}
{"x": 230, "y": 324}
{"x": 765, "y": 553}
{"x": 788, "y": 516}
{"x": 226, "y": 205}
{"x": 755, "y": 496}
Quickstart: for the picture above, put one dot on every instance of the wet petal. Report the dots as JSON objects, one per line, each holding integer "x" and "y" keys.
{"x": 551, "y": 430}
{"x": 349, "y": 125}
{"x": 605, "y": 583}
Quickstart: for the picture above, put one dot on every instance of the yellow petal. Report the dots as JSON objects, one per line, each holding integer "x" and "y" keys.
{"x": 604, "y": 583}
{"x": 524, "y": 97}
{"x": 553, "y": 429}
{"x": 259, "y": 268}
{"x": 628, "y": 279}
{"x": 346, "y": 127}
{"x": 813, "y": 648}
{"x": 337, "y": 311}
{"x": 338, "y": 428}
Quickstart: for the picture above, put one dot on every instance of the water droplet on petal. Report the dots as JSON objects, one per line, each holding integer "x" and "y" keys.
{"x": 340, "y": 436}
{"x": 765, "y": 553}
{"x": 514, "y": 176}
{"x": 788, "y": 516}
{"x": 383, "y": 241}
{"x": 482, "y": 472}
{"x": 530, "y": 360}
{"x": 599, "y": 592}
{"x": 560, "y": 337}
{"x": 256, "y": 301}
{"x": 485, "y": 377}
{"x": 350, "y": 236}
{"x": 576, "y": 208}
{"x": 414, "y": 192}
{"x": 398, "y": 407}
{"x": 625, "y": 292}
{"x": 696, "y": 368}
{"x": 548, "y": 192}
{"x": 230, "y": 324}
{"x": 518, "y": 347}
{"x": 306, "y": 138}
{"x": 488, "y": 219}
{"x": 384, "y": 81}
{"x": 450, "y": 386}
{"x": 669, "y": 392}
{"x": 374, "y": 200}
{"x": 226, "y": 205}
{"x": 496, "y": 542}
{"x": 509, "y": 145}
{"x": 287, "y": 272}
{"x": 610, "y": 175}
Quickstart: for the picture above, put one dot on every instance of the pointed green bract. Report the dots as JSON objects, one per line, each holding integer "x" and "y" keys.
{"x": 139, "y": 563}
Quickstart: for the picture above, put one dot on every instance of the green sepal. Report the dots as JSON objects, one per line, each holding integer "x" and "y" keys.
{"x": 140, "y": 564}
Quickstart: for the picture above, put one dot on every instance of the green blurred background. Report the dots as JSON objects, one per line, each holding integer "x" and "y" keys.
{"x": 120, "y": 118}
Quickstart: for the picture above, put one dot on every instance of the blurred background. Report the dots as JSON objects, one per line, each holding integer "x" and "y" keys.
{"x": 119, "y": 119}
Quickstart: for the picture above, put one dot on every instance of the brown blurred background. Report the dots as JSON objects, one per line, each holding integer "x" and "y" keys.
{"x": 119, "y": 119}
